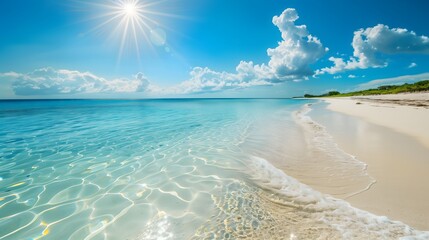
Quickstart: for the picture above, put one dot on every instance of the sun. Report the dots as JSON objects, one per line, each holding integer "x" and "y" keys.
{"x": 136, "y": 26}
{"x": 130, "y": 9}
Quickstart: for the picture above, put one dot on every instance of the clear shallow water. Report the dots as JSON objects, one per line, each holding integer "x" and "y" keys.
{"x": 172, "y": 169}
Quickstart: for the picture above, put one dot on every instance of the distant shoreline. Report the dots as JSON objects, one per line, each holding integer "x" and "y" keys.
{"x": 418, "y": 87}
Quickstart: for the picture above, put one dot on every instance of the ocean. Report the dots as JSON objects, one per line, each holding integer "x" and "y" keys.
{"x": 178, "y": 169}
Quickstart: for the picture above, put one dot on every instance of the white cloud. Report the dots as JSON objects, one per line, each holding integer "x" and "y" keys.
{"x": 370, "y": 43}
{"x": 206, "y": 80}
{"x": 289, "y": 61}
{"x": 412, "y": 65}
{"x": 49, "y": 81}
{"x": 298, "y": 50}
{"x": 395, "y": 80}
{"x": 352, "y": 76}
{"x": 9, "y": 75}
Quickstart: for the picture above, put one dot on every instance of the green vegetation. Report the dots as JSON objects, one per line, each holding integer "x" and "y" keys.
{"x": 405, "y": 88}
{"x": 329, "y": 94}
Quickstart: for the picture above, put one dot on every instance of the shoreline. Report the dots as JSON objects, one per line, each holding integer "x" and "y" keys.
{"x": 390, "y": 136}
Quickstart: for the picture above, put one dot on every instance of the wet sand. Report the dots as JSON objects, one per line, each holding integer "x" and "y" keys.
{"x": 392, "y": 137}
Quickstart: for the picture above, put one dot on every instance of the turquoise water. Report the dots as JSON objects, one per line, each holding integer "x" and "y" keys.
{"x": 169, "y": 169}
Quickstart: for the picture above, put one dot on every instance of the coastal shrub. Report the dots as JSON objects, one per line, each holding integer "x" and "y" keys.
{"x": 388, "y": 89}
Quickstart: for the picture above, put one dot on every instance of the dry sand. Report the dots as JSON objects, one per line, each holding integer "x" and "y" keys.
{"x": 404, "y": 113}
{"x": 391, "y": 134}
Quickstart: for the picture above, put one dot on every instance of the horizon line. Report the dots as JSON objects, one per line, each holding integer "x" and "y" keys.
{"x": 135, "y": 99}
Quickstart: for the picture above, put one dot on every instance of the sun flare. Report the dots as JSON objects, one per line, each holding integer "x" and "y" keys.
{"x": 133, "y": 23}
{"x": 130, "y": 9}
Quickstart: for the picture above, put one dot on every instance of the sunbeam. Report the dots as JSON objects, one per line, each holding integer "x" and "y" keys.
{"x": 132, "y": 23}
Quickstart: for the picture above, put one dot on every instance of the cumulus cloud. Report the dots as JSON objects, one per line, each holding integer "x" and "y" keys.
{"x": 49, "y": 81}
{"x": 394, "y": 81}
{"x": 370, "y": 44}
{"x": 206, "y": 80}
{"x": 298, "y": 50}
{"x": 290, "y": 60}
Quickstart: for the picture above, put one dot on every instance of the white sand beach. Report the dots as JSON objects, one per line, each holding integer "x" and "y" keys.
{"x": 404, "y": 113}
{"x": 391, "y": 134}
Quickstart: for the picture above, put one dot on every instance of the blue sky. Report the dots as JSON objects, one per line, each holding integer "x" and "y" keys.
{"x": 209, "y": 48}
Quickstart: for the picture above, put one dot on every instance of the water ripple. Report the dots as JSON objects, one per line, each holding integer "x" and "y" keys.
{"x": 150, "y": 169}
